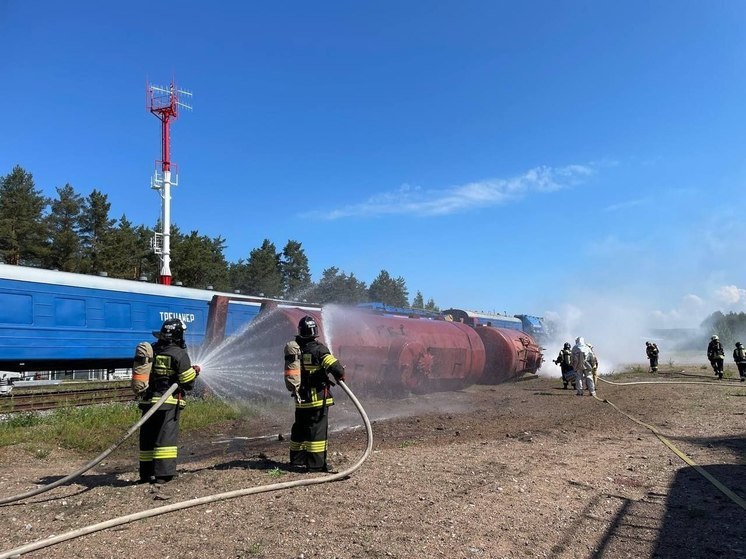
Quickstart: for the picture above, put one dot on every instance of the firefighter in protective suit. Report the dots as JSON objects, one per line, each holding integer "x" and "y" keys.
{"x": 564, "y": 360}
{"x": 307, "y": 363}
{"x": 651, "y": 350}
{"x": 159, "y": 435}
{"x": 739, "y": 356}
{"x": 584, "y": 363}
{"x": 716, "y": 356}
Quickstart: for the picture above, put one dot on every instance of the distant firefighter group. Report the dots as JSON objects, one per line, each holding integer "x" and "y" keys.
{"x": 579, "y": 364}
{"x": 715, "y": 355}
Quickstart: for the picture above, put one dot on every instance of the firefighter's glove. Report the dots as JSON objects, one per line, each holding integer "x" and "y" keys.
{"x": 197, "y": 369}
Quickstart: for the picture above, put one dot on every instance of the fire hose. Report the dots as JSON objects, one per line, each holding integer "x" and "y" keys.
{"x": 207, "y": 499}
{"x": 99, "y": 458}
{"x": 704, "y": 473}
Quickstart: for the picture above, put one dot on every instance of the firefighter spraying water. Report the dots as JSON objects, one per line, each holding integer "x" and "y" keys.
{"x": 307, "y": 363}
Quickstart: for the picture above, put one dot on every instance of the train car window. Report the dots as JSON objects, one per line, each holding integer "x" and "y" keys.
{"x": 69, "y": 312}
{"x": 117, "y": 315}
{"x": 16, "y": 309}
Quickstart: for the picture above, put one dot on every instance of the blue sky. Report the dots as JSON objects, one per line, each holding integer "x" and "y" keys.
{"x": 579, "y": 159}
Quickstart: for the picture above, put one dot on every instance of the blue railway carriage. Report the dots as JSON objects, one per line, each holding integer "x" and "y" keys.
{"x": 475, "y": 319}
{"x": 63, "y": 321}
{"x": 533, "y": 325}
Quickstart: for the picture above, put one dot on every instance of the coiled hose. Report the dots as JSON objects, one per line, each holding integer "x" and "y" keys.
{"x": 207, "y": 499}
{"x": 99, "y": 458}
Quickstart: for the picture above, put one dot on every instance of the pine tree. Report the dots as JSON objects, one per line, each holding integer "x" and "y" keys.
{"x": 64, "y": 227}
{"x": 418, "y": 302}
{"x": 296, "y": 276}
{"x": 389, "y": 291}
{"x": 261, "y": 275}
{"x": 23, "y": 230}
{"x": 198, "y": 261}
{"x": 95, "y": 226}
{"x": 338, "y": 287}
{"x": 123, "y": 251}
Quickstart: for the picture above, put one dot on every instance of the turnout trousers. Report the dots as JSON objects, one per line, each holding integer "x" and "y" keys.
{"x": 717, "y": 366}
{"x": 158, "y": 444}
{"x": 308, "y": 438}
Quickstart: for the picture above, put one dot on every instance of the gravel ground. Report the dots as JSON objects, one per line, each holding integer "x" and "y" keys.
{"x": 524, "y": 469}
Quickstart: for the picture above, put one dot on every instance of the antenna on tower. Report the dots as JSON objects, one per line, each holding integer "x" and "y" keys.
{"x": 165, "y": 103}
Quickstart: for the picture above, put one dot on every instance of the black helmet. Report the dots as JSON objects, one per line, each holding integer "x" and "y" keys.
{"x": 307, "y": 327}
{"x": 738, "y": 344}
{"x": 172, "y": 330}
{"x": 567, "y": 345}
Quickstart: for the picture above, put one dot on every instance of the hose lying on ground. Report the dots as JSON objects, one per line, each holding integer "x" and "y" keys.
{"x": 99, "y": 458}
{"x": 709, "y": 383}
{"x": 207, "y": 499}
{"x": 704, "y": 473}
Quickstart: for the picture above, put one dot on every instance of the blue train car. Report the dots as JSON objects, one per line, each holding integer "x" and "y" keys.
{"x": 388, "y": 310}
{"x": 59, "y": 320}
{"x": 533, "y": 325}
{"x": 475, "y": 319}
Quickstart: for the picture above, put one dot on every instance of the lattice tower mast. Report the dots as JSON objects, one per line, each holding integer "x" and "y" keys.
{"x": 165, "y": 104}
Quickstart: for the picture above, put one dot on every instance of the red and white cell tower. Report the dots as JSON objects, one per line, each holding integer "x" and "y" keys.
{"x": 165, "y": 104}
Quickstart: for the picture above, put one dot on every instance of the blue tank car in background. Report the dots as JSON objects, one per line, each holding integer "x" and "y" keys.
{"x": 60, "y": 320}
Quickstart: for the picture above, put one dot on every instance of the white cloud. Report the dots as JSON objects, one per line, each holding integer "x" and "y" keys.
{"x": 462, "y": 198}
{"x": 730, "y": 294}
{"x": 625, "y": 205}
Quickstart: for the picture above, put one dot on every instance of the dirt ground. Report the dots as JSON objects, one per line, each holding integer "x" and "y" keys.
{"x": 524, "y": 469}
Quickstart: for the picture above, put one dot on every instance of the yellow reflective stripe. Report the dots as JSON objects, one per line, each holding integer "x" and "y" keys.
{"x": 146, "y": 455}
{"x": 312, "y": 368}
{"x": 188, "y": 376}
{"x": 315, "y": 404}
{"x": 316, "y": 446}
{"x": 328, "y": 361}
{"x": 165, "y": 452}
{"x": 169, "y": 400}
{"x": 309, "y": 446}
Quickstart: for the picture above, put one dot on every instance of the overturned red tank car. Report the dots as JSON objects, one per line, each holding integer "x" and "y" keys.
{"x": 384, "y": 353}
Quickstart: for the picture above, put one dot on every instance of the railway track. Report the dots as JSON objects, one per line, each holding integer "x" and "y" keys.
{"x": 39, "y": 399}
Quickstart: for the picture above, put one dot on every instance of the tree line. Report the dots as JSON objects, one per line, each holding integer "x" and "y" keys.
{"x": 730, "y": 328}
{"x": 76, "y": 233}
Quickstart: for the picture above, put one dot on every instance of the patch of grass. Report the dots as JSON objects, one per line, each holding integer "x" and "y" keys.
{"x": 42, "y": 453}
{"x": 92, "y": 429}
{"x": 635, "y": 369}
{"x": 275, "y": 472}
{"x": 405, "y": 444}
{"x": 206, "y": 411}
{"x": 253, "y": 550}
